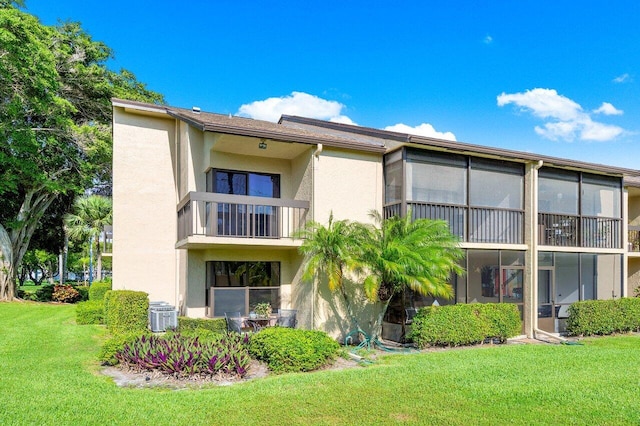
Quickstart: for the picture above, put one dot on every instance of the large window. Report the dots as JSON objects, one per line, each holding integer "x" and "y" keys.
{"x": 558, "y": 191}
{"x": 436, "y": 178}
{"x": 243, "y": 183}
{"x": 601, "y": 196}
{"x": 496, "y": 184}
{"x": 239, "y": 286}
{"x": 393, "y": 177}
{"x": 495, "y": 276}
{"x": 243, "y": 219}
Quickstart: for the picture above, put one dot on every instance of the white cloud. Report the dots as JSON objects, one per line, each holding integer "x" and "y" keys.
{"x": 622, "y": 78}
{"x": 297, "y": 103}
{"x": 607, "y": 109}
{"x": 564, "y": 118}
{"x": 543, "y": 103}
{"x": 423, "y": 129}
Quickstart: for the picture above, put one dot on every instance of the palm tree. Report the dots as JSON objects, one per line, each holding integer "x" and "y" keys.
{"x": 332, "y": 251}
{"x": 90, "y": 215}
{"x": 401, "y": 253}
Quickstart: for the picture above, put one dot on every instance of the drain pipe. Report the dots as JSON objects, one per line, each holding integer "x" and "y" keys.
{"x": 314, "y": 158}
{"x": 536, "y": 330}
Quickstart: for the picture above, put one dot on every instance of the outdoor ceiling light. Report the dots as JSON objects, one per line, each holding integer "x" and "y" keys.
{"x": 262, "y": 144}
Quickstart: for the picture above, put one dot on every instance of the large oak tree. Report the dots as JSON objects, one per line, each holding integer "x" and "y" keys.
{"x": 55, "y": 117}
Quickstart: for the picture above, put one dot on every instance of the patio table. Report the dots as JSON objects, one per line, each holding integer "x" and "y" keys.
{"x": 258, "y": 323}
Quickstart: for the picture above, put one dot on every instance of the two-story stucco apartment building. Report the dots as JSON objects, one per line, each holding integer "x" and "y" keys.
{"x": 205, "y": 206}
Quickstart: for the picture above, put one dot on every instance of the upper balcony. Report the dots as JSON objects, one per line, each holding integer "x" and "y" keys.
{"x": 579, "y": 231}
{"x": 206, "y": 218}
{"x": 471, "y": 224}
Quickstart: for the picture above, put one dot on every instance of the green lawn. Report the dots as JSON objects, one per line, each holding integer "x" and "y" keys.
{"x": 49, "y": 376}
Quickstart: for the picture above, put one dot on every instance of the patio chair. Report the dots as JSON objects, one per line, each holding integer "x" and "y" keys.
{"x": 287, "y": 318}
{"x": 410, "y": 313}
{"x": 234, "y": 321}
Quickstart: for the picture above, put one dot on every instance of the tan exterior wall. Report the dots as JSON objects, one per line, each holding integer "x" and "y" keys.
{"x": 634, "y": 210}
{"x": 347, "y": 183}
{"x": 633, "y": 277}
{"x": 144, "y": 200}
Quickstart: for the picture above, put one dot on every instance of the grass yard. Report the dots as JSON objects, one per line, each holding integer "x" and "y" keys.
{"x": 49, "y": 376}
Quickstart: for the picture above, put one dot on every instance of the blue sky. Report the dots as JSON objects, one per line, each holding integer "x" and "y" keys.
{"x": 558, "y": 78}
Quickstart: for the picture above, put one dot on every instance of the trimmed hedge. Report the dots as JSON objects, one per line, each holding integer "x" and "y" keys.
{"x": 126, "y": 310}
{"x": 217, "y": 325}
{"x": 602, "y": 317}
{"x": 98, "y": 289}
{"x": 83, "y": 291}
{"x": 292, "y": 350}
{"x": 90, "y": 312}
{"x": 116, "y": 343}
{"x": 465, "y": 324}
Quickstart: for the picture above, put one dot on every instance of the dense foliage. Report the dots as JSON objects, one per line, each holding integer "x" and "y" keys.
{"x": 98, "y": 289}
{"x": 65, "y": 293}
{"x": 465, "y": 324}
{"x": 184, "y": 356}
{"x": 291, "y": 350}
{"x": 55, "y": 118}
{"x": 186, "y": 324}
{"x": 90, "y": 312}
{"x": 126, "y": 311}
{"x": 393, "y": 255}
{"x": 604, "y": 316}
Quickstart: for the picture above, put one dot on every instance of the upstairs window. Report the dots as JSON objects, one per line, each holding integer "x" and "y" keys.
{"x": 243, "y": 183}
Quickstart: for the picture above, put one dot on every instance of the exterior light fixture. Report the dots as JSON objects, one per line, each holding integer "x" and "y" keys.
{"x": 262, "y": 144}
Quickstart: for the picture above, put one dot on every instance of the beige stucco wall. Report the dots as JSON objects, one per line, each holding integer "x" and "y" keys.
{"x": 347, "y": 183}
{"x": 633, "y": 278}
{"x": 144, "y": 200}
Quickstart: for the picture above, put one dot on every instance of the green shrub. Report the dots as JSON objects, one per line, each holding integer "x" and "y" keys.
{"x": 98, "y": 289}
{"x": 126, "y": 310}
{"x": 115, "y": 344}
{"x": 90, "y": 312}
{"x": 83, "y": 290}
{"x": 27, "y": 295}
{"x": 44, "y": 293}
{"x": 289, "y": 349}
{"x": 217, "y": 325}
{"x": 65, "y": 293}
{"x": 453, "y": 325}
{"x": 465, "y": 324}
{"x": 503, "y": 320}
{"x": 603, "y": 317}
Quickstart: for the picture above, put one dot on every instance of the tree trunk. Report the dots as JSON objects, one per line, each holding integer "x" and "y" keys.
{"x": 14, "y": 244}
{"x": 98, "y": 260}
{"x": 377, "y": 325}
{"x": 7, "y": 274}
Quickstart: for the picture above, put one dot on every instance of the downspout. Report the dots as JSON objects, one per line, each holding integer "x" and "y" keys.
{"x": 178, "y": 159}
{"x": 314, "y": 158}
{"x": 536, "y": 330}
